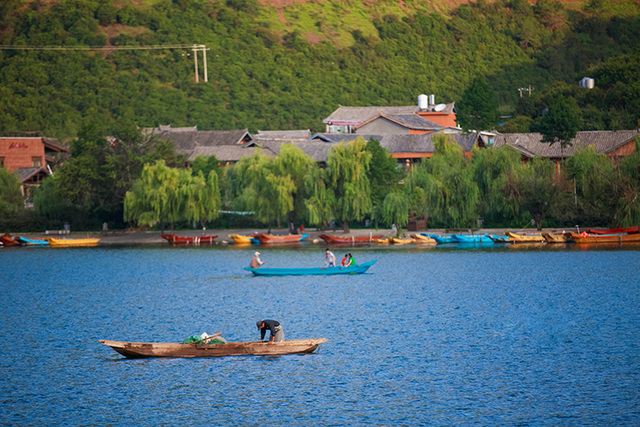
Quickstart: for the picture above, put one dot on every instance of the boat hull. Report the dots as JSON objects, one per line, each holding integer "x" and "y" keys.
{"x": 629, "y": 230}
{"x": 525, "y": 238}
{"x": 71, "y": 243}
{"x": 472, "y": 238}
{"x": 239, "y": 239}
{"x": 556, "y": 238}
{"x": 422, "y": 240}
{"x": 605, "y": 238}
{"x": 353, "y": 240}
{"x": 23, "y": 241}
{"x": 136, "y": 350}
{"x": 273, "y": 239}
{"x": 182, "y": 240}
{"x": 326, "y": 271}
{"x": 7, "y": 240}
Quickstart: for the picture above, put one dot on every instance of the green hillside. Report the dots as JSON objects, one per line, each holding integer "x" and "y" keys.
{"x": 288, "y": 67}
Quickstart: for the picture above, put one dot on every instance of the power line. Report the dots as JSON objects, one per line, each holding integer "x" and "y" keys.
{"x": 149, "y": 47}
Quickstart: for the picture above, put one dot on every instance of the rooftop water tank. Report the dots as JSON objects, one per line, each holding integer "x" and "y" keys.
{"x": 423, "y": 102}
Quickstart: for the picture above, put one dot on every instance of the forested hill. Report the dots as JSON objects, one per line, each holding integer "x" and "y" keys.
{"x": 288, "y": 64}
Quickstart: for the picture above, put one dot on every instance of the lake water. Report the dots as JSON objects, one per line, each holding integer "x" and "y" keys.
{"x": 430, "y": 336}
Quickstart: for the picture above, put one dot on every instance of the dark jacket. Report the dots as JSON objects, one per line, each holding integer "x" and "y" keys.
{"x": 271, "y": 326}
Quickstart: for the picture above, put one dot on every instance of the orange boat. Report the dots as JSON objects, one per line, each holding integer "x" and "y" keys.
{"x": 7, "y": 240}
{"x": 629, "y": 230}
{"x": 352, "y": 240}
{"x": 181, "y": 240}
{"x": 272, "y": 239}
{"x": 605, "y": 238}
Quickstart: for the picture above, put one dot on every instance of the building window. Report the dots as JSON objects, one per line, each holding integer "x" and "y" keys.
{"x": 36, "y": 162}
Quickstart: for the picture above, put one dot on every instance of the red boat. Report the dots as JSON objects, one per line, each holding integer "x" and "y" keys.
{"x": 605, "y": 238}
{"x": 352, "y": 240}
{"x": 181, "y": 240}
{"x": 7, "y": 240}
{"x": 629, "y": 230}
{"x": 271, "y": 238}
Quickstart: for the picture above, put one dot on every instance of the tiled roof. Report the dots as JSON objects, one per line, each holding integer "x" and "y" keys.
{"x": 339, "y": 137}
{"x": 228, "y": 153}
{"x": 531, "y": 145}
{"x": 355, "y": 115}
{"x": 24, "y": 174}
{"x": 282, "y": 135}
{"x": 424, "y": 143}
{"x": 411, "y": 121}
{"x": 187, "y": 142}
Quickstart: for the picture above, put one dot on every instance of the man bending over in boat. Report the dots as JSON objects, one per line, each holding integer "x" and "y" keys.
{"x": 277, "y": 333}
{"x": 255, "y": 261}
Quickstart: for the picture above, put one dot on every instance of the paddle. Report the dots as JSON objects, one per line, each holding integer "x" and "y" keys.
{"x": 205, "y": 339}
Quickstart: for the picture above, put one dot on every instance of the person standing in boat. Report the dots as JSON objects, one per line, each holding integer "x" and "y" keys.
{"x": 329, "y": 259}
{"x": 256, "y": 262}
{"x": 274, "y": 327}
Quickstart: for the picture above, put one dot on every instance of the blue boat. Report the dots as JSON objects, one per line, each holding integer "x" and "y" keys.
{"x": 473, "y": 238}
{"x": 499, "y": 239}
{"x": 324, "y": 271}
{"x": 441, "y": 238}
{"x": 30, "y": 242}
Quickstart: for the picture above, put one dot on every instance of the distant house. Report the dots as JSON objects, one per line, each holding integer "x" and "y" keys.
{"x": 400, "y": 124}
{"x": 29, "y": 158}
{"x": 613, "y": 144}
{"x": 346, "y": 120}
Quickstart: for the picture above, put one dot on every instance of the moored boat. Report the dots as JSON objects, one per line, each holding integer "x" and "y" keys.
{"x": 556, "y": 238}
{"x": 273, "y": 239}
{"x": 628, "y": 230}
{"x": 383, "y": 241}
{"x": 314, "y": 271}
{"x": 239, "y": 239}
{"x": 7, "y": 240}
{"x": 400, "y": 241}
{"x": 524, "y": 238}
{"x": 72, "y": 243}
{"x": 473, "y": 238}
{"x": 604, "y": 238}
{"x": 23, "y": 241}
{"x": 499, "y": 239}
{"x": 351, "y": 240}
{"x": 185, "y": 240}
{"x": 422, "y": 239}
{"x": 257, "y": 348}
{"x": 442, "y": 238}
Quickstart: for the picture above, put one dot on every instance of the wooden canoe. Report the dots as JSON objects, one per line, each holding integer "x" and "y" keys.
{"x": 351, "y": 240}
{"x": 72, "y": 243}
{"x": 399, "y": 241}
{"x": 422, "y": 240}
{"x": 273, "y": 239}
{"x": 135, "y": 350}
{"x": 472, "y": 238}
{"x": 605, "y": 238}
{"x": 443, "y": 238}
{"x": 183, "y": 240}
{"x": 556, "y": 238}
{"x": 239, "y": 239}
{"x": 318, "y": 271}
{"x": 382, "y": 241}
{"x": 31, "y": 242}
{"x": 7, "y": 240}
{"x": 629, "y": 230}
{"x": 524, "y": 238}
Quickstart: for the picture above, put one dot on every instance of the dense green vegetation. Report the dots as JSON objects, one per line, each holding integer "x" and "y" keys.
{"x": 268, "y": 74}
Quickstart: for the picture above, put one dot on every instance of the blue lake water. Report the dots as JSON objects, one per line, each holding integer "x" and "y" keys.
{"x": 430, "y": 336}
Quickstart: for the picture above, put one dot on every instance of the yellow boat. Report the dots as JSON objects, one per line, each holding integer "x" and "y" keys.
{"x": 423, "y": 240}
{"x": 556, "y": 238}
{"x": 239, "y": 239}
{"x": 382, "y": 241}
{"x": 525, "y": 238}
{"x": 397, "y": 241}
{"x": 71, "y": 243}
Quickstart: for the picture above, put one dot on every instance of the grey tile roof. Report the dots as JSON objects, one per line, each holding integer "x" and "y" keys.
{"x": 228, "y": 153}
{"x": 531, "y": 145}
{"x": 24, "y": 174}
{"x": 424, "y": 143}
{"x": 282, "y": 135}
{"x": 354, "y": 115}
{"x": 411, "y": 121}
{"x": 187, "y": 142}
{"x": 339, "y": 137}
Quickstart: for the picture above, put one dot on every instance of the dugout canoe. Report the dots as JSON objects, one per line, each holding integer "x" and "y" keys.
{"x": 71, "y": 243}
{"x": 605, "y": 238}
{"x": 273, "y": 239}
{"x": 556, "y": 238}
{"x": 318, "y": 271}
{"x": 524, "y": 238}
{"x": 351, "y": 240}
{"x": 136, "y": 350}
{"x": 183, "y": 240}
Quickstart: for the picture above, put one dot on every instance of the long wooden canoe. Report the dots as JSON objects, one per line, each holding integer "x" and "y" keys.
{"x": 629, "y": 230}
{"x": 605, "y": 238}
{"x": 239, "y": 239}
{"x": 324, "y": 271}
{"x": 351, "y": 240}
{"x": 183, "y": 240}
{"x": 400, "y": 241}
{"x": 524, "y": 238}
{"x": 556, "y": 238}
{"x": 422, "y": 240}
{"x": 258, "y": 348}
{"x": 71, "y": 243}
{"x": 272, "y": 238}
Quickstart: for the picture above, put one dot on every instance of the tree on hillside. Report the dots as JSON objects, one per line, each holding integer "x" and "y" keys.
{"x": 11, "y": 199}
{"x": 478, "y": 107}
{"x": 627, "y": 212}
{"x": 347, "y": 167}
{"x": 561, "y": 122}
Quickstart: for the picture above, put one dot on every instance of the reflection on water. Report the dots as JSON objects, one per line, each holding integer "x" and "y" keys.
{"x": 506, "y": 334}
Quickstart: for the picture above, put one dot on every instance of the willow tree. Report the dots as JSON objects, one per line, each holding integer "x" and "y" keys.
{"x": 291, "y": 165}
{"x": 154, "y": 197}
{"x": 395, "y": 209}
{"x": 347, "y": 167}
{"x": 200, "y": 196}
{"x": 321, "y": 199}
{"x": 627, "y": 211}
{"x": 447, "y": 180}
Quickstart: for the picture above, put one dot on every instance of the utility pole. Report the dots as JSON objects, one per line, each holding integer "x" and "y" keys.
{"x": 200, "y": 48}
{"x": 524, "y": 89}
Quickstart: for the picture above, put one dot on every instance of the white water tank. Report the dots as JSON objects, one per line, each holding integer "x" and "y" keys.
{"x": 587, "y": 82}
{"x": 432, "y": 99}
{"x": 423, "y": 102}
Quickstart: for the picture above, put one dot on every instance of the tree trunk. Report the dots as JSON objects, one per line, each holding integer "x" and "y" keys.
{"x": 345, "y": 226}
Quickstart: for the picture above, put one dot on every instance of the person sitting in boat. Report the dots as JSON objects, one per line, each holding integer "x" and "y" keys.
{"x": 351, "y": 261}
{"x": 345, "y": 260}
{"x": 329, "y": 259}
{"x": 274, "y": 327}
{"x": 256, "y": 262}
